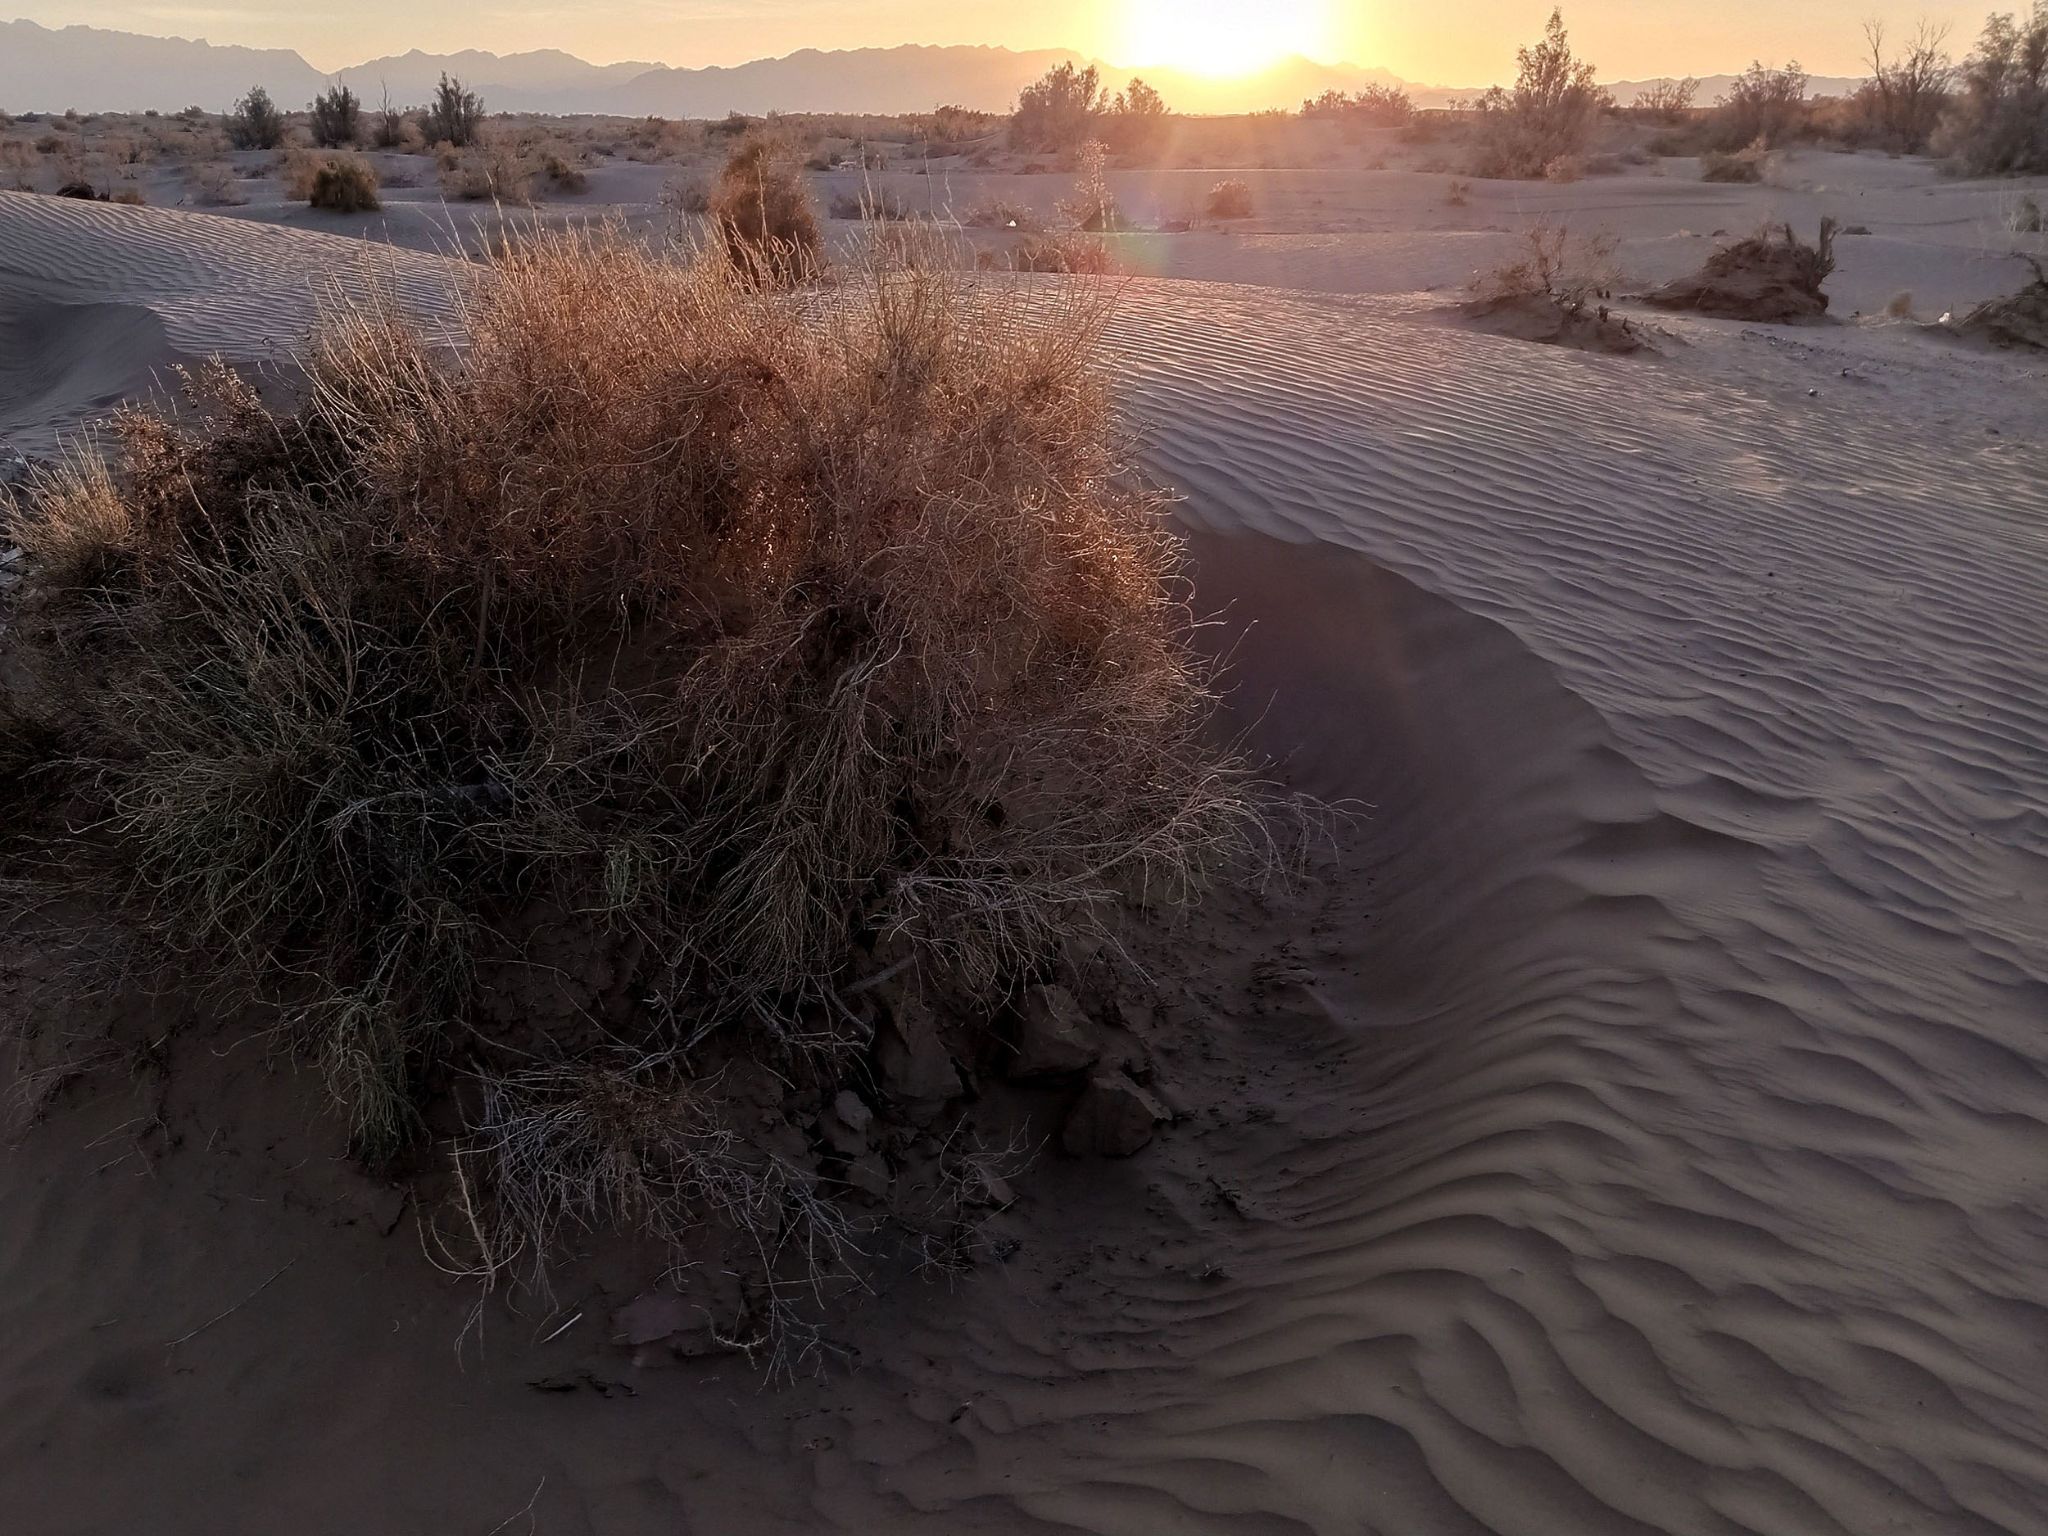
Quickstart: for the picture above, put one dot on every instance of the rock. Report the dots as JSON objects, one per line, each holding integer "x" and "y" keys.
{"x": 1053, "y": 1035}
{"x": 1113, "y": 1117}
{"x": 912, "y": 1062}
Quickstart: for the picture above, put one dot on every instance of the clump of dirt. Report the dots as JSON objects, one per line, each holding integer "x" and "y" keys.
{"x": 2016, "y": 320}
{"x": 1773, "y": 276}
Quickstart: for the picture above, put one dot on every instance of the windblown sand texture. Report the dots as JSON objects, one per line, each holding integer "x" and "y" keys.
{"x": 1637, "y": 1123}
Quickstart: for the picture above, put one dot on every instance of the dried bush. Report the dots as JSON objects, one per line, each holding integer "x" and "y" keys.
{"x": 1771, "y": 276}
{"x": 489, "y": 170}
{"x": 874, "y": 205}
{"x": 255, "y": 122}
{"x": 1556, "y": 289}
{"x": 1230, "y": 199}
{"x": 2016, "y": 320}
{"x": 999, "y": 213}
{"x": 733, "y": 654}
{"x": 1549, "y": 114}
{"x": 344, "y": 184}
{"x": 1091, "y": 206}
{"x": 1744, "y": 165}
{"x": 686, "y": 194}
{"x": 213, "y": 185}
{"x": 1376, "y": 106}
{"x": 564, "y": 175}
{"x": 762, "y": 212}
{"x": 1058, "y": 251}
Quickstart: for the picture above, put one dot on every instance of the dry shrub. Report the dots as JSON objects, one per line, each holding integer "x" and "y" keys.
{"x": 735, "y": 649}
{"x": 1745, "y": 165}
{"x": 564, "y": 175}
{"x": 1556, "y": 289}
{"x": 344, "y": 184}
{"x": 1771, "y": 276}
{"x": 872, "y": 205}
{"x": 490, "y": 169}
{"x": 1090, "y": 206}
{"x": 1230, "y": 199}
{"x": 1457, "y": 193}
{"x": 213, "y": 185}
{"x": 1763, "y": 106}
{"x": 999, "y": 213}
{"x": 1057, "y": 251}
{"x": 763, "y": 214}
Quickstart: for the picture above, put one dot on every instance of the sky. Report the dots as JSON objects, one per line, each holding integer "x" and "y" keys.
{"x": 1466, "y": 42}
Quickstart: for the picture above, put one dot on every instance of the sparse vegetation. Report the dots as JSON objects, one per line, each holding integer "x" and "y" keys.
{"x": 1556, "y": 288}
{"x": 675, "y": 704}
{"x": 1375, "y": 106}
{"x": 1903, "y": 101}
{"x": 1667, "y": 101}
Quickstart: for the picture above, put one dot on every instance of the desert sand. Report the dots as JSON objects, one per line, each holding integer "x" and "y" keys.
{"x": 1634, "y": 1123}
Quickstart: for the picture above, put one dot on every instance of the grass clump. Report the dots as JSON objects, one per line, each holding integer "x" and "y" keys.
{"x": 571, "y": 731}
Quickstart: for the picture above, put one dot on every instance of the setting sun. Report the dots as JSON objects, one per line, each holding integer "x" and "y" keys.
{"x": 1224, "y": 37}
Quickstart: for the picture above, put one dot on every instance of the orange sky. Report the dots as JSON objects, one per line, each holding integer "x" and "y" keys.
{"x": 1462, "y": 43}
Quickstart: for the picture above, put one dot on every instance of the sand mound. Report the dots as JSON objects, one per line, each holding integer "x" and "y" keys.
{"x": 63, "y": 364}
{"x": 1537, "y": 317}
{"x": 1772, "y": 277}
{"x": 1635, "y": 1127}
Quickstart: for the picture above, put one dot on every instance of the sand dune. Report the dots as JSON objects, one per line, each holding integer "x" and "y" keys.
{"x": 1634, "y": 1125}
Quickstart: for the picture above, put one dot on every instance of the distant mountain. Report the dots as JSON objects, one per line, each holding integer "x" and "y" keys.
{"x": 1713, "y": 87}
{"x": 47, "y": 70}
{"x": 50, "y": 69}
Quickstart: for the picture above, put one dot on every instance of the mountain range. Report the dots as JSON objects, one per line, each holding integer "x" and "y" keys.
{"x": 48, "y": 69}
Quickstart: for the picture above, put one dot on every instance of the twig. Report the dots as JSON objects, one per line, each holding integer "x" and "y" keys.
{"x": 493, "y": 1531}
{"x": 181, "y": 1338}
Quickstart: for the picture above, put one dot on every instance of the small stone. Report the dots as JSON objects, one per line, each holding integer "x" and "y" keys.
{"x": 1053, "y": 1037}
{"x": 853, "y": 1111}
{"x": 1113, "y": 1117}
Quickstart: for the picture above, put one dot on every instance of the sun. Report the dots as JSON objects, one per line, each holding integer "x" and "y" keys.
{"x": 1223, "y": 37}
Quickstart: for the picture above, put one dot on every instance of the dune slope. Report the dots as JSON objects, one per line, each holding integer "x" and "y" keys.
{"x": 1633, "y": 1125}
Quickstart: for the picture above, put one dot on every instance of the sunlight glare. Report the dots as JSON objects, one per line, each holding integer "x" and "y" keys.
{"x": 1224, "y": 37}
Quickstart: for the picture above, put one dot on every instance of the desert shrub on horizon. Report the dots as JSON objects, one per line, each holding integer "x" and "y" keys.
{"x": 255, "y": 122}
{"x": 1763, "y": 105}
{"x": 1548, "y": 115}
{"x": 455, "y": 115}
{"x": 491, "y": 169}
{"x": 1137, "y": 122}
{"x": 752, "y": 653}
{"x": 1058, "y": 112}
{"x": 762, "y": 213}
{"x": 214, "y": 185}
{"x": 335, "y": 118}
{"x": 1372, "y": 105}
{"x": 1667, "y": 101}
{"x": 1997, "y": 124}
